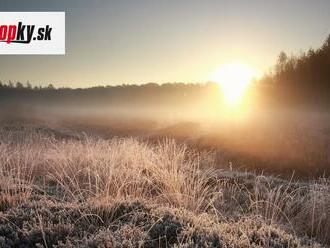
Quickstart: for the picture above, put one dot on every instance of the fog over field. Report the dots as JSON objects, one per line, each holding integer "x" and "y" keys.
{"x": 225, "y": 154}
{"x": 285, "y": 139}
{"x": 98, "y": 171}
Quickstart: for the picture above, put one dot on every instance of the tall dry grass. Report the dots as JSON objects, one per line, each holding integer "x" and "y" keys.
{"x": 98, "y": 171}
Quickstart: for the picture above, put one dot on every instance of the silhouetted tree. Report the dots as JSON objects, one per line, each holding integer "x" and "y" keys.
{"x": 19, "y": 85}
{"x": 305, "y": 77}
{"x": 50, "y": 87}
{"x": 28, "y": 85}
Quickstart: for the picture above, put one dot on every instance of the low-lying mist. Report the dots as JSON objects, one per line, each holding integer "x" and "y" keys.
{"x": 254, "y": 135}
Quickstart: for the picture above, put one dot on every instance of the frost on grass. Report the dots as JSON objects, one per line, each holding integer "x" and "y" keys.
{"x": 130, "y": 224}
{"x": 88, "y": 192}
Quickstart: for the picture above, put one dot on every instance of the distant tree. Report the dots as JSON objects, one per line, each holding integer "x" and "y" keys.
{"x": 281, "y": 63}
{"x": 19, "y": 85}
{"x": 28, "y": 85}
{"x": 326, "y": 44}
{"x": 50, "y": 87}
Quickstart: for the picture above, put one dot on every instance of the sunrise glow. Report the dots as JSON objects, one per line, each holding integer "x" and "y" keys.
{"x": 234, "y": 79}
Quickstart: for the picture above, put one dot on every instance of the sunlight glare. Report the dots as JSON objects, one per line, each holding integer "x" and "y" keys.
{"x": 233, "y": 79}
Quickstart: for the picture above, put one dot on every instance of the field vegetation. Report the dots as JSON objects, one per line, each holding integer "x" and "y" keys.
{"x": 61, "y": 188}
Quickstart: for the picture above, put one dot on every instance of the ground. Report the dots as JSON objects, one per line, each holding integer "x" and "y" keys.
{"x": 63, "y": 188}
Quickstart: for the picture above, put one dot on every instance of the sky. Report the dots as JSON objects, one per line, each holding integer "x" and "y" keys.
{"x": 139, "y": 41}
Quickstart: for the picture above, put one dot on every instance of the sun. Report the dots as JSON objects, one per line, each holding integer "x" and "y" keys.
{"x": 233, "y": 79}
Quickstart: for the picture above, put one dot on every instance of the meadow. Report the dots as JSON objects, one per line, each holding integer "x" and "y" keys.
{"x": 165, "y": 125}
{"x": 83, "y": 187}
{"x": 240, "y": 161}
{"x": 163, "y": 166}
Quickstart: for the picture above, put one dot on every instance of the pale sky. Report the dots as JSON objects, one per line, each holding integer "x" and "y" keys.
{"x": 141, "y": 41}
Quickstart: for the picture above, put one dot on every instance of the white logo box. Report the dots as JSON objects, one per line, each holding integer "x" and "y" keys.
{"x": 55, "y": 22}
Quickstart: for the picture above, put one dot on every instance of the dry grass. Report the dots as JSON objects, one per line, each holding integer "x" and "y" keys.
{"x": 64, "y": 190}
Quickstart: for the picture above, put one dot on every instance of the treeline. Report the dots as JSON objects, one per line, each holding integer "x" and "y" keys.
{"x": 151, "y": 93}
{"x": 302, "y": 79}
{"x": 18, "y": 85}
